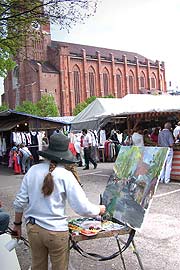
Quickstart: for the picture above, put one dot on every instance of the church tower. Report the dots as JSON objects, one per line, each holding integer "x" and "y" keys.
{"x": 23, "y": 82}
{"x": 36, "y": 45}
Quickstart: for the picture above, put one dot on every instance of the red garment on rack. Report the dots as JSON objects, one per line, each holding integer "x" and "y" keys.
{"x": 72, "y": 149}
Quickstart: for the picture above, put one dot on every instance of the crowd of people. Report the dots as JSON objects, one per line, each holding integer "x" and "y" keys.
{"x": 87, "y": 142}
{"x": 165, "y": 136}
{"x": 161, "y": 137}
{"x": 85, "y": 145}
{"x": 48, "y": 185}
{"x": 20, "y": 159}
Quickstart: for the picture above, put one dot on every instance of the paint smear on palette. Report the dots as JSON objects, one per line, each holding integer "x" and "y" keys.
{"x": 131, "y": 187}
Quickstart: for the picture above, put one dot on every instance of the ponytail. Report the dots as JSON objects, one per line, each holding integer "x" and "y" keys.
{"x": 48, "y": 184}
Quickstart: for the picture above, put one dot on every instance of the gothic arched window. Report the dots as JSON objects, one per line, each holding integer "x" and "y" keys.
{"x": 91, "y": 81}
{"x": 131, "y": 82}
{"x": 142, "y": 80}
{"x": 15, "y": 77}
{"x": 153, "y": 81}
{"x": 119, "y": 83}
{"x": 77, "y": 84}
{"x": 106, "y": 82}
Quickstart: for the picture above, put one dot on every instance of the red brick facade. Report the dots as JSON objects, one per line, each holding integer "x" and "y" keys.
{"x": 74, "y": 72}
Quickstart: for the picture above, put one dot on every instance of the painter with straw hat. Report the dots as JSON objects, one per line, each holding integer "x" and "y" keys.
{"x": 42, "y": 198}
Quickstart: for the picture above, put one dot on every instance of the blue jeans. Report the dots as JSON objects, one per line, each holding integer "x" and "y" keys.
{"x": 26, "y": 163}
{"x": 4, "y": 220}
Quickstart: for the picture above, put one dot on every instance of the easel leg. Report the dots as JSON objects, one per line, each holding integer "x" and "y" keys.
{"x": 137, "y": 255}
{"x": 122, "y": 259}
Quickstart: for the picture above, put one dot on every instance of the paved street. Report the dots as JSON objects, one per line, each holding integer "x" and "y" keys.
{"x": 158, "y": 243}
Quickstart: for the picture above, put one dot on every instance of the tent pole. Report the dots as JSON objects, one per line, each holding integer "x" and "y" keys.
{"x": 128, "y": 124}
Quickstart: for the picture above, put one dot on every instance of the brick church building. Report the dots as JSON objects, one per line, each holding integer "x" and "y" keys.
{"x": 73, "y": 72}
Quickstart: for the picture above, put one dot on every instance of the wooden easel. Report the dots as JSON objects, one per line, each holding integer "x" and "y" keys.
{"x": 110, "y": 233}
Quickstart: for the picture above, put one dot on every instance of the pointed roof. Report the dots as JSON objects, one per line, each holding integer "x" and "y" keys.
{"x": 76, "y": 49}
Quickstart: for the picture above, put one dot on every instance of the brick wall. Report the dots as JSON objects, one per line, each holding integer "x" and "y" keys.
{"x": 34, "y": 81}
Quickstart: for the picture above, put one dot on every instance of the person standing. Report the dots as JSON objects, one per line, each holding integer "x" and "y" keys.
{"x": 16, "y": 160}
{"x": 176, "y": 131}
{"x": 165, "y": 139}
{"x": 137, "y": 137}
{"x": 42, "y": 197}
{"x": 87, "y": 144}
{"x": 79, "y": 148}
{"x": 127, "y": 137}
{"x": 25, "y": 158}
{"x": 147, "y": 138}
{"x": 154, "y": 135}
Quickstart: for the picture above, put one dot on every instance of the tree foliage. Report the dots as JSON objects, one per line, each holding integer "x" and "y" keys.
{"x": 18, "y": 18}
{"x": 27, "y": 107}
{"x": 109, "y": 96}
{"x": 3, "y": 108}
{"x": 45, "y": 107}
{"x": 81, "y": 106}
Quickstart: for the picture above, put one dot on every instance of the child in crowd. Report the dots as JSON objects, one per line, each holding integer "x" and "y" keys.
{"x": 14, "y": 156}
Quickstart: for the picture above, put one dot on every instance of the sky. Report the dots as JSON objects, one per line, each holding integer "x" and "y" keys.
{"x": 146, "y": 27}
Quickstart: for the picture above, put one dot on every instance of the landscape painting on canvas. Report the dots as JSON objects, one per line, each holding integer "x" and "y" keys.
{"x": 131, "y": 187}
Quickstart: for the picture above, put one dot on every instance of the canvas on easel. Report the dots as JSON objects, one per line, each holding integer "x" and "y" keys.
{"x": 131, "y": 187}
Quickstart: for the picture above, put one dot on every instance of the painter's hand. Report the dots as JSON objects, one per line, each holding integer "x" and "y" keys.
{"x": 102, "y": 209}
{"x": 16, "y": 231}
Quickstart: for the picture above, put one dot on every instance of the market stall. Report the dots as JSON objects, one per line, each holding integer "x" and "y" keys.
{"x": 148, "y": 110}
{"x": 125, "y": 110}
{"x": 18, "y": 127}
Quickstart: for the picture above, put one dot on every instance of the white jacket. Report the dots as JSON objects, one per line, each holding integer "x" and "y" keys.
{"x": 49, "y": 211}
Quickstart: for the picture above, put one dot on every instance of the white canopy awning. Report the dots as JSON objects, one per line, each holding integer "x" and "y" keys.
{"x": 102, "y": 108}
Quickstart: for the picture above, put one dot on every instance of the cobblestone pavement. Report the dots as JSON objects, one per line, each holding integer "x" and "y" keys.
{"x": 158, "y": 243}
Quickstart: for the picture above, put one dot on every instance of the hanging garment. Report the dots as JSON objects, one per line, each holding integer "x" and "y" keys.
{"x": 0, "y": 147}
{"x": 3, "y": 147}
{"x": 34, "y": 146}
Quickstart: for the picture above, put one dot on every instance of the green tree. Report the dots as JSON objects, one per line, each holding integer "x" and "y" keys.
{"x": 46, "y": 106}
{"x": 27, "y": 107}
{"x": 6, "y": 63}
{"x": 20, "y": 19}
{"x": 3, "y": 107}
{"x": 81, "y": 106}
{"x": 109, "y": 96}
